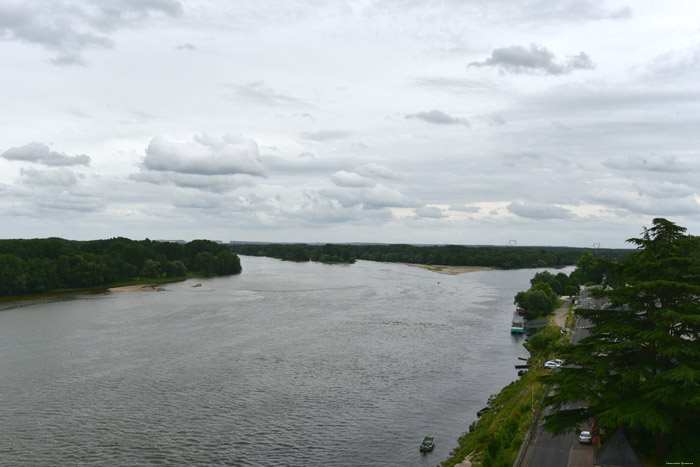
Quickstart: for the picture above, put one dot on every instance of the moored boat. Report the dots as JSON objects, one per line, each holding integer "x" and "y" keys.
{"x": 518, "y": 325}
{"x": 428, "y": 443}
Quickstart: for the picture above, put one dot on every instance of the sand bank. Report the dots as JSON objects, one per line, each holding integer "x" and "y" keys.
{"x": 137, "y": 288}
{"x": 449, "y": 270}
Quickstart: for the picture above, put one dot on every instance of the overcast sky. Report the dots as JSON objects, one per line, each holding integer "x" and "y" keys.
{"x": 568, "y": 122}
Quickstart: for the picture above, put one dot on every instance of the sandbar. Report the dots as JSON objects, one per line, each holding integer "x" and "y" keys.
{"x": 449, "y": 270}
{"x": 137, "y": 288}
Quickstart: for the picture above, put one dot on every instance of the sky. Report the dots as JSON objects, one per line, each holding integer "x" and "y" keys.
{"x": 477, "y": 122}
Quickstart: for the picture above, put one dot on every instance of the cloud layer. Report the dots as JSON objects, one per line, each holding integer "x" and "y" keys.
{"x": 567, "y": 122}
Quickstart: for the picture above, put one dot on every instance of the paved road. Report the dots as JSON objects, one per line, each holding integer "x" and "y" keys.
{"x": 545, "y": 450}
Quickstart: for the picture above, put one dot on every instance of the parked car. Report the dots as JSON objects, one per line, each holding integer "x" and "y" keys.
{"x": 585, "y": 437}
{"x": 552, "y": 364}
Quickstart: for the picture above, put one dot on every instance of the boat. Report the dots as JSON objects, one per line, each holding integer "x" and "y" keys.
{"x": 518, "y": 325}
{"x": 483, "y": 411}
{"x": 428, "y": 443}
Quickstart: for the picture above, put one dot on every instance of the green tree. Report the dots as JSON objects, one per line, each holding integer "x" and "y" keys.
{"x": 639, "y": 368}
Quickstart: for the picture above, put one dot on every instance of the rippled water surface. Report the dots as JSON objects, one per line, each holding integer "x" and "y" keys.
{"x": 285, "y": 364}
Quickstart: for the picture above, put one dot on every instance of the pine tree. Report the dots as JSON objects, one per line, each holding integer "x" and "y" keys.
{"x": 639, "y": 369}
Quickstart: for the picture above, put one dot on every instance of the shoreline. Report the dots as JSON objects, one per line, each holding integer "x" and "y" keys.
{"x": 152, "y": 287}
{"x": 449, "y": 270}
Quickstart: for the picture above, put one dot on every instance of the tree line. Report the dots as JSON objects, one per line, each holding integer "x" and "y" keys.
{"x": 446, "y": 255}
{"x": 41, "y": 265}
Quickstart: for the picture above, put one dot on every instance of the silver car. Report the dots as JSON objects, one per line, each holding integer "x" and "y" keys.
{"x": 585, "y": 437}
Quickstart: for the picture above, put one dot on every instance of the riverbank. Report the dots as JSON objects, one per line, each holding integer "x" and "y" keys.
{"x": 137, "y": 288}
{"x": 449, "y": 270}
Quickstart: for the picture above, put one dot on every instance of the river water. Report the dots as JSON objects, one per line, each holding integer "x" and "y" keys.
{"x": 299, "y": 364}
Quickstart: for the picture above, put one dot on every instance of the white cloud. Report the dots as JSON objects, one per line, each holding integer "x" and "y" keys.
{"x": 205, "y": 155}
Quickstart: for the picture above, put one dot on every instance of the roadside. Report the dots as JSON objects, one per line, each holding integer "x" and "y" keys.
{"x": 561, "y": 314}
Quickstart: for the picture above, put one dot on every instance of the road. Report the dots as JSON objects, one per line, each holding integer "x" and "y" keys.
{"x": 562, "y": 450}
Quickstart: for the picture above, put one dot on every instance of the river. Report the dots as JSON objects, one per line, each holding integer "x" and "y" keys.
{"x": 286, "y": 364}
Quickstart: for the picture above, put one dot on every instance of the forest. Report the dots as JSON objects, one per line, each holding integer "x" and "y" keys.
{"x": 505, "y": 257}
{"x": 42, "y": 265}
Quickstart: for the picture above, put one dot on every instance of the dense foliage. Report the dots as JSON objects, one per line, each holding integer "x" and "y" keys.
{"x": 40, "y": 265}
{"x": 447, "y": 255}
{"x": 329, "y": 253}
{"x": 541, "y": 298}
{"x": 639, "y": 369}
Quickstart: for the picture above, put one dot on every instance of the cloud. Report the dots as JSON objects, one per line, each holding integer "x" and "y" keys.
{"x": 465, "y": 208}
{"x": 257, "y": 93}
{"x": 326, "y": 135}
{"x": 439, "y": 118}
{"x": 539, "y": 211}
{"x": 40, "y": 153}
{"x": 209, "y": 183}
{"x": 377, "y": 171}
{"x": 351, "y": 179}
{"x": 641, "y": 203}
{"x": 42, "y": 178}
{"x": 186, "y": 47}
{"x": 534, "y": 60}
{"x": 69, "y": 28}
{"x": 375, "y": 197}
{"x": 205, "y": 155}
{"x": 429, "y": 212}
{"x": 664, "y": 163}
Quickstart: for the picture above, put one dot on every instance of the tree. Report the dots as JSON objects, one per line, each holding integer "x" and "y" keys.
{"x": 639, "y": 369}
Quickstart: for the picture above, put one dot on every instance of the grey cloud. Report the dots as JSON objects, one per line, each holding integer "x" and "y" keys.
{"x": 465, "y": 208}
{"x": 186, "y": 47}
{"x": 326, "y": 135}
{"x": 497, "y": 120}
{"x": 41, "y": 178}
{"x": 539, "y": 211}
{"x": 209, "y": 183}
{"x": 429, "y": 212}
{"x": 518, "y": 59}
{"x": 317, "y": 208}
{"x": 70, "y": 28}
{"x": 70, "y": 202}
{"x": 205, "y": 155}
{"x": 351, "y": 179}
{"x": 375, "y": 197}
{"x": 377, "y": 171}
{"x": 257, "y": 93}
{"x": 643, "y": 204}
{"x": 666, "y": 163}
{"x": 438, "y": 117}
{"x": 42, "y": 154}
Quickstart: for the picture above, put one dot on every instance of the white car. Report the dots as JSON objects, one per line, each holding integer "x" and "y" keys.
{"x": 585, "y": 437}
{"x": 552, "y": 364}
